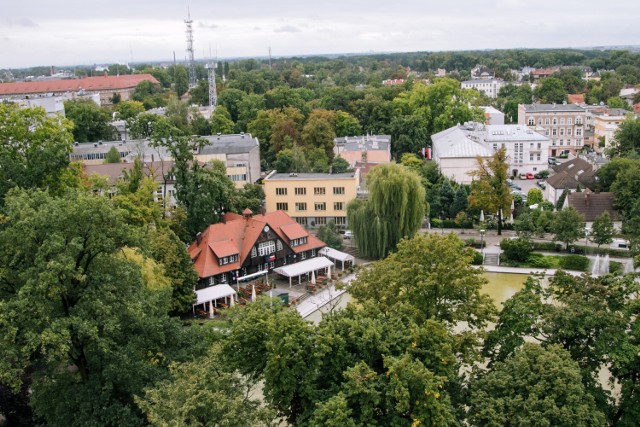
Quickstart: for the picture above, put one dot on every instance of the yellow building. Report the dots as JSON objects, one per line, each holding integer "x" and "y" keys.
{"x": 312, "y": 199}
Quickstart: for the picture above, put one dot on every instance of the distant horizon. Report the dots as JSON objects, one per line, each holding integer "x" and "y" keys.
{"x": 631, "y": 47}
{"x": 119, "y": 31}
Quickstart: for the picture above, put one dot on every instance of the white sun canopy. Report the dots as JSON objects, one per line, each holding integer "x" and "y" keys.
{"x": 337, "y": 255}
{"x": 213, "y": 293}
{"x": 304, "y": 267}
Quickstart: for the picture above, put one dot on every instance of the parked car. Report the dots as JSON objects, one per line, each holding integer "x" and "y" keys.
{"x": 530, "y": 175}
{"x": 542, "y": 174}
{"x": 542, "y": 184}
{"x": 515, "y": 186}
{"x": 619, "y": 244}
{"x": 552, "y": 161}
{"x": 523, "y": 176}
{"x": 347, "y": 235}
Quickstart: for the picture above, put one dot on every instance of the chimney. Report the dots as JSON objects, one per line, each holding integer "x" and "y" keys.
{"x": 198, "y": 238}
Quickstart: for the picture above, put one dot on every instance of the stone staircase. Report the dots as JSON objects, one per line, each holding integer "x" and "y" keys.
{"x": 491, "y": 259}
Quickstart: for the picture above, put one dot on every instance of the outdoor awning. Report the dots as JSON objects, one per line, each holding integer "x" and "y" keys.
{"x": 252, "y": 275}
{"x": 304, "y": 267}
{"x": 213, "y": 293}
{"x": 336, "y": 254}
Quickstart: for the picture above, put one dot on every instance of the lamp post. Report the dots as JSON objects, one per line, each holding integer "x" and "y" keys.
{"x": 482, "y": 231}
{"x": 586, "y": 242}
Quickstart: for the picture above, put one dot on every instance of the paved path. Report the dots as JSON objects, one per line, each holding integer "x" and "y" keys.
{"x": 527, "y": 270}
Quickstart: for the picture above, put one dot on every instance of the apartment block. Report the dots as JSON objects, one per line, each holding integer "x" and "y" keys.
{"x": 563, "y": 124}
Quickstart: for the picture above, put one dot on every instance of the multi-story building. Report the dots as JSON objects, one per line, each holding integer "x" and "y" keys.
{"x": 247, "y": 244}
{"x": 240, "y": 153}
{"x": 563, "y": 124}
{"x": 456, "y": 149}
{"x": 606, "y": 122}
{"x": 490, "y": 87}
{"x": 365, "y": 148}
{"x": 312, "y": 199}
{"x": 493, "y": 116}
{"x": 105, "y": 86}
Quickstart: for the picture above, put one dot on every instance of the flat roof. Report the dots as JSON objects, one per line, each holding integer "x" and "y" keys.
{"x": 308, "y": 176}
{"x": 229, "y": 144}
{"x": 512, "y": 133}
{"x": 550, "y": 108}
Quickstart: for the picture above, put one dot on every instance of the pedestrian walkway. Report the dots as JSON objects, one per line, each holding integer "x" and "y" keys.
{"x": 527, "y": 270}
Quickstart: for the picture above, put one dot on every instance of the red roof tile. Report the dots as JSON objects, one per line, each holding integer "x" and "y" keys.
{"x": 224, "y": 249}
{"x": 73, "y": 85}
{"x": 294, "y": 231}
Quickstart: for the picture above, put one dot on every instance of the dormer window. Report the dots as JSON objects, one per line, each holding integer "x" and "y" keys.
{"x": 228, "y": 259}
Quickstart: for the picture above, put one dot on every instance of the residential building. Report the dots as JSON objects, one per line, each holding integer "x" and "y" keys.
{"x": 240, "y": 153}
{"x": 493, "y": 116}
{"x": 456, "y": 149}
{"x": 628, "y": 94}
{"x": 541, "y": 73}
{"x": 159, "y": 171}
{"x": 312, "y": 199}
{"x": 563, "y": 124}
{"x": 606, "y": 122}
{"x": 106, "y": 86}
{"x": 570, "y": 175}
{"x": 247, "y": 244}
{"x": 591, "y": 205}
{"x": 53, "y": 104}
{"x": 490, "y": 87}
{"x": 365, "y": 148}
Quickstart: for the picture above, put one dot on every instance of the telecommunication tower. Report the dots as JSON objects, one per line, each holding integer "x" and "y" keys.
{"x": 192, "y": 65}
{"x": 213, "y": 93}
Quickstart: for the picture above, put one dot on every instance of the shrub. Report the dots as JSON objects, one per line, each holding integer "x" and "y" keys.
{"x": 516, "y": 249}
{"x": 547, "y": 246}
{"x": 574, "y": 262}
{"x": 538, "y": 260}
{"x": 477, "y": 259}
{"x": 616, "y": 268}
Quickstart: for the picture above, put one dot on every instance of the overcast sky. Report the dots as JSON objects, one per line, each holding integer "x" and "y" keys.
{"x": 64, "y": 32}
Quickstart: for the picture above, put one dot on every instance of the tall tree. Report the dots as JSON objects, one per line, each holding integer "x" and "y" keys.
{"x": 602, "y": 230}
{"x": 535, "y": 386}
{"x": 489, "y": 190}
{"x": 550, "y": 90}
{"x": 567, "y": 226}
{"x": 34, "y": 148}
{"x": 91, "y": 123}
{"x": 627, "y": 138}
{"x": 394, "y": 210}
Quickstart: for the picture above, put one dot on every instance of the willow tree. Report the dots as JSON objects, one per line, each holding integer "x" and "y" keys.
{"x": 395, "y": 209}
{"x": 489, "y": 190}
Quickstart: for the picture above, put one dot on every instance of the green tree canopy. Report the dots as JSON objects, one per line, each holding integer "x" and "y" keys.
{"x": 91, "y": 122}
{"x": 394, "y": 210}
{"x": 567, "y": 226}
{"x": 602, "y": 230}
{"x": 551, "y": 90}
{"x": 627, "y": 138}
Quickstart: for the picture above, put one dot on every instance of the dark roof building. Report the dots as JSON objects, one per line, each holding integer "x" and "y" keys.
{"x": 590, "y": 205}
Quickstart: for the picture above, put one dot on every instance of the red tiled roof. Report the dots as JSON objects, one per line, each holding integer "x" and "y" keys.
{"x": 73, "y": 85}
{"x": 636, "y": 108}
{"x": 294, "y": 231}
{"x": 575, "y": 98}
{"x": 237, "y": 235}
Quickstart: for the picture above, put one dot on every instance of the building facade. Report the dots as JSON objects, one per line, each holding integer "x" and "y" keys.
{"x": 312, "y": 199}
{"x": 490, "y": 87}
{"x": 246, "y": 244}
{"x": 564, "y": 125}
{"x": 366, "y": 148}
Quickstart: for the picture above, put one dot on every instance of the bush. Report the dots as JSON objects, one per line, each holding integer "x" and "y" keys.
{"x": 516, "y": 249}
{"x": 477, "y": 259}
{"x": 574, "y": 262}
{"x": 616, "y": 268}
{"x": 538, "y": 260}
{"x": 547, "y": 246}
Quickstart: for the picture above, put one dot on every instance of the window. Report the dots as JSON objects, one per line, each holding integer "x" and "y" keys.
{"x": 338, "y": 206}
{"x": 320, "y": 206}
{"x": 562, "y": 121}
{"x": 535, "y": 169}
{"x": 568, "y": 142}
{"x": 319, "y": 191}
{"x": 578, "y": 121}
{"x": 313, "y": 252}
{"x": 223, "y": 278}
{"x": 321, "y": 220}
{"x": 578, "y": 132}
{"x": 578, "y": 141}
{"x": 340, "y": 220}
{"x": 338, "y": 190}
{"x": 562, "y": 142}
{"x": 266, "y": 248}
{"x": 279, "y": 245}
{"x": 238, "y": 178}
{"x": 272, "y": 264}
{"x": 282, "y": 206}
{"x": 495, "y": 147}
{"x": 540, "y": 122}
{"x": 568, "y": 131}
{"x": 531, "y": 157}
{"x": 569, "y": 121}
{"x": 303, "y": 256}
{"x": 281, "y": 191}
{"x": 546, "y": 132}
{"x": 301, "y": 206}
{"x": 561, "y": 131}
{"x": 554, "y": 132}
{"x": 555, "y": 121}
{"x": 539, "y": 145}
{"x": 301, "y": 191}
{"x": 302, "y": 221}
{"x": 254, "y": 252}
{"x": 538, "y": 159}
{"x": 531, "y": 121}
{"x": 547, "y": 121}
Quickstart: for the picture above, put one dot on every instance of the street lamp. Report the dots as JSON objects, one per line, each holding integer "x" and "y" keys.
{"x": 586, "y": 243}
{"x": 482, "y": 231}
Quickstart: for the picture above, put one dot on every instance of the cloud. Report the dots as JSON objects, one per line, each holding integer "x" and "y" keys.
{"x": 207, "y": 26}
{"x": 287, "y": 29}
{"x": 22, "y": 22}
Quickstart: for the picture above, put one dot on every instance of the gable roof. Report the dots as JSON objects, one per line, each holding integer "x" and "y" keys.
{"x": 562, "y": 180}
{"x": 73, "y": 85}
{"x": 590, "y": 205}
{"x": 238, "y": 235}
{"x": 114, "y": 171}
{"x": 454, "y": 143}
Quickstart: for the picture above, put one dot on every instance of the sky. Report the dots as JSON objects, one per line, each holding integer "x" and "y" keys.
{"x": 69, "y": 32}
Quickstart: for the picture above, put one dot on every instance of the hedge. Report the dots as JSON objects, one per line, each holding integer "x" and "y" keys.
{"x": 574, "y": 262}
{"x": 558, "y": 247}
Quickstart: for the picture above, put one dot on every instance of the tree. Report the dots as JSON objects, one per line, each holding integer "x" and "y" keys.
{"x": 202, "y": 392}
{"x": 113, "y": 156}
{"x": 340, "y": 165}
{"x": 460, "y": 202}
{"x": 602, "y": 230}
{"x": 395, "y": 209}
{"x": 550, "y": 90}
{"x": 319, "y": 132}
{"x": 221, "y": 121}
{"x": 346, "y": 124}
{"x": 567, "y": 226}
{"x": 180, "y": 80}
{"x": 129, "y": 109}
{"x": 535, "y": 386}
{"x": 446, "y": 198}
{"x": 78, "y": 313}
{"x": 627, "y": 139}
{"x": 329, "y": 234}
{"x": 617, "y": 102}
{"x": 489, "y": 190}
{"x": 534, "y": 197}
{"x": 38, "y": 153}
{"x": 250, "y": 196}
{"x": 91, "y": 122}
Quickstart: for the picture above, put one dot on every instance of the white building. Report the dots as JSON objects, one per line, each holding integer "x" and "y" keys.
{"x": 493, "y": 116}
{"x": 490, "y": 87}
{"x": 456, "y": 149}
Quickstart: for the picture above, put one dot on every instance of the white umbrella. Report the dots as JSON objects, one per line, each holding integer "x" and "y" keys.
{"x": 313, "y": 277}
{"x": 232, "y": 303}
{"x": 481, "y": 216}
{"x": 253, "y": 292}
{"x": 513, "y": 204}
{"x": 210, "y": 309}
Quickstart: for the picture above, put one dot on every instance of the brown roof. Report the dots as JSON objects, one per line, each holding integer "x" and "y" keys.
{"x": 237, "y": 235}
{"x": 562, "y": 180}
{"x": 73, "y": 85}
{"x": 575, "y": 98}
{"x": 636, "y": 108}
{"x": 590, "y": 205}
{"x": 293, "y": 231}
{"x": 115, "y": 171}
{"x": 574, "y": 165}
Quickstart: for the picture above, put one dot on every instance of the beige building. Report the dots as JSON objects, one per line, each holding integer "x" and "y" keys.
{"x": 606, "y": 122}
{"x": 366, "y": 148}
{"x": 563, "y": 124}
{"x": 312, "y": 199}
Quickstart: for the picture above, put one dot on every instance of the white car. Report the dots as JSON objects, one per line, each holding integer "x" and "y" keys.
{"x": 348, "y": 235}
